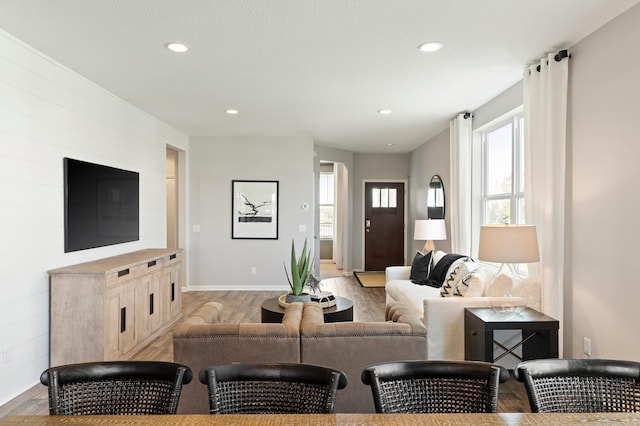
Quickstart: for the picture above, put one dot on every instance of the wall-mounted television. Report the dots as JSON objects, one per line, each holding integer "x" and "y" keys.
{"x": 101, "y": 205}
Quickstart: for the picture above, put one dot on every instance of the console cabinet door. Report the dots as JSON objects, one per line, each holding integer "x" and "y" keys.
{"x": 112, "y": 304}
{"x": 128, "y": 332}
{"x": 149, "y": 313}
{"x": 120, "y": 332}
{"x": 171, "y": 291}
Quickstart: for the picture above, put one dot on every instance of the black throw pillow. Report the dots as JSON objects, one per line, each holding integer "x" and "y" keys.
{"x": 420, "y": 267}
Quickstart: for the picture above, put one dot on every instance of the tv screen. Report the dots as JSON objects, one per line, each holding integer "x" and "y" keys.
{"x": 101, "y": 205}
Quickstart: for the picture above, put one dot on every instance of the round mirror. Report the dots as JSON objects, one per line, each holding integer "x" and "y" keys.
{"x": 435, "y": 198}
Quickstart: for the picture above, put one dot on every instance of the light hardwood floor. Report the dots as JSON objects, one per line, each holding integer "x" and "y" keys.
{"x": 244, "y": 306}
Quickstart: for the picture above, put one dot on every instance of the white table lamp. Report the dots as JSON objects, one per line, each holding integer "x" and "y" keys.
{"x": 430, "y": 230}
{"x": 508, "y": 245}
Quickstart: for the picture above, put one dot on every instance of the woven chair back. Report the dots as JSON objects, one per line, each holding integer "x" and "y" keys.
{"x": 434, "y": 386}
{"x": 272, "y": 388}
{"x": 115, "y": 388}
{"x": 581, "y": 385}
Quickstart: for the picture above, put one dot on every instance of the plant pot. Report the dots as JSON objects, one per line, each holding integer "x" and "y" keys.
{"x": 304, "y": 297}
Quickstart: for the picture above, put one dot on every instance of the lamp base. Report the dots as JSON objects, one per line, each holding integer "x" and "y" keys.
{"x": 500, "y": 292}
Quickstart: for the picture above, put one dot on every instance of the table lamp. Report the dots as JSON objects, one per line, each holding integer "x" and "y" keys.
{"x": 430, "y": 230}
{"x": 508, "y": 245}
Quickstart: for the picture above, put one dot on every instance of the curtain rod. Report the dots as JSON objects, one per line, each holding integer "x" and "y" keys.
{"x": 558, "y": 57}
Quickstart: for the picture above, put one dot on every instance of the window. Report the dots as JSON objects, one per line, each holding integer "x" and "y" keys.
{"x": 503, "y": 170}
{"x": 384, "y": 198}
{"x": 326, "y": 205}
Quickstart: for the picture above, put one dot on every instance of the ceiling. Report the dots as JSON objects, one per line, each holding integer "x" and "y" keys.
{"x": 312, "y": 68}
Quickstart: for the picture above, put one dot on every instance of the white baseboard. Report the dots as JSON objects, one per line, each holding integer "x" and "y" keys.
{"x": 236, "y": 288}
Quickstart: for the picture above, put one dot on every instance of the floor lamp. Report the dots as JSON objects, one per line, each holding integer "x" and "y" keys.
{"x": 429, "y": 230}
{"x": 508, "y": 245}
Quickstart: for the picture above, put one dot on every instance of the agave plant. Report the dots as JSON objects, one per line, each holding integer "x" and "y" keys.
{"x": 301, "y": 269}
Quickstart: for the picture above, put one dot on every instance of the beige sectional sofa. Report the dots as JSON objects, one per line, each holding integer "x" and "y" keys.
{"x": 301, "y": 337}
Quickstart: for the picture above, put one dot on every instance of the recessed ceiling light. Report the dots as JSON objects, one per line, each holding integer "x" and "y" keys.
{"x": 384, "y": 111}
{"x": 177, "y": 47}
{"x": 391, "y": 144}
{"x": 430, "y": 46}
{"x": 231, "y": 111}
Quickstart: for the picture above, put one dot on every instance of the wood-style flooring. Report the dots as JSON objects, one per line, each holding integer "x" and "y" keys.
{"x": 244, "y": 306}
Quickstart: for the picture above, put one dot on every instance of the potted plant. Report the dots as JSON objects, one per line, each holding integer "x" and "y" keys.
{"x": 301, "y": 268}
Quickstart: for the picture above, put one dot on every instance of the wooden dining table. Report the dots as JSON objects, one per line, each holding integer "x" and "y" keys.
{"x": 520, "y": 419}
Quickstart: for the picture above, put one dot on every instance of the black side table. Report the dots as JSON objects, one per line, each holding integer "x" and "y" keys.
{"x": 271, "y": 311}
{"x": 539, "y": 334}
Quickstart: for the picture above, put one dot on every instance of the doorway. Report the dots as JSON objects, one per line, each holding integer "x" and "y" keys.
{"x": 384, "y": 217}
{"x": 172, "y": 198}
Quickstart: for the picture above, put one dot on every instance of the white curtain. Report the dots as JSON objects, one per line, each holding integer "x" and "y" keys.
{"x": 341, "y": 176}
{"x": 545, "y": 115}
{"x": 459, "y": 198}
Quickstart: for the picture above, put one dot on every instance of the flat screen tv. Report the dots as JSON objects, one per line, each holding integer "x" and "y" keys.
{"x": 101, "y": 205}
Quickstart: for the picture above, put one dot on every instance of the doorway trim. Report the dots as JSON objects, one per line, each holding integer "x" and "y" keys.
{"x": 405, "y": 182}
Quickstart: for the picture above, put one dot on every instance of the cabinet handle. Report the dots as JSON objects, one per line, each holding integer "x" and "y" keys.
{"x": 123, "y": 272}
{"x": 151, "y": 304}
{"x": 173, "y": 291}
{"x": 151, "y": 264}
{"x": 171, "y": 257}
{"x": 123, "y": 319}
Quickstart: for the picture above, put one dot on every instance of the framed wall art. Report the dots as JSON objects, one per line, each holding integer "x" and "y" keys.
{"x": 254, "y": 207}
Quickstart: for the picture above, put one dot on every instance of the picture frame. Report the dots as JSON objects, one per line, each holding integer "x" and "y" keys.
{"x": 254, "y": 209}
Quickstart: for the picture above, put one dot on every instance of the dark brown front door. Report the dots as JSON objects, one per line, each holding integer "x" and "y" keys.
{"x": 383, "y": 225}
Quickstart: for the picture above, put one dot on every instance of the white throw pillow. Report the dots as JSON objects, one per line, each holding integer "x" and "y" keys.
{"x": 472, "y": 284}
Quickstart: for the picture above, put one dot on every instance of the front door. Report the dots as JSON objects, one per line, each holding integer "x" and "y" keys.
{"x": 383, "y": 225}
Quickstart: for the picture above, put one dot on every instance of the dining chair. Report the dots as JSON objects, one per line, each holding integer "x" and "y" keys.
{"x": 435, "y": 386}
{"x": 285, "y": 388}
{"x": 115, "y": 387}
{"x": 581, "y": 385}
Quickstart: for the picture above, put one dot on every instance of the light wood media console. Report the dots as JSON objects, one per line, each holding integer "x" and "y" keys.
{"x": 109, "y": 308}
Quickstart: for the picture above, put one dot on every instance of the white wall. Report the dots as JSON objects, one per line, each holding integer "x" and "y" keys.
{"x": 432, "y": 158}
{"x": 604, "y": 289}
{"x": 48, "y": 112}
{"x": 372, "y": 167}
{"x": 219, "y": 262}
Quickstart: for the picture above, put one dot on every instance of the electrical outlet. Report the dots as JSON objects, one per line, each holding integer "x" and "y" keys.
{"x": 253, "y": 270}
{"x": 6, "y": 354}
{"x": 587, "y": 346}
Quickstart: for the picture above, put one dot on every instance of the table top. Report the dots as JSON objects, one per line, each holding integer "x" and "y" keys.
{"x": 520, "y": 419}
{"x": 342, "y": 304}
{"x": 528, "y": 316}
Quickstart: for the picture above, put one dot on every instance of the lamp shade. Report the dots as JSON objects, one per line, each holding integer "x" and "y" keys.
{"x": 430, "y": 229}
{"x": 508, "y": 244}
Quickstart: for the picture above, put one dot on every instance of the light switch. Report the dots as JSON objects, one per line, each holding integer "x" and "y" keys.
{"x": 196, "y": 228}
{"x": 302, "y": 228}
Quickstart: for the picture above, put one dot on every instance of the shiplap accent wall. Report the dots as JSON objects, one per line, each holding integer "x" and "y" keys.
{"x": 48, "y": 112}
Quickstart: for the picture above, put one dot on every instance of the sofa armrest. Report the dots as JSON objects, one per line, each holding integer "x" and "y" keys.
{"x": 444, "y": 318}
{"x": 209, "y": 313}
{"x": 397, "y": 273}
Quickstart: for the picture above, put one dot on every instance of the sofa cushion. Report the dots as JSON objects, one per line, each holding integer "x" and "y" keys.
{"x": 420, "y": 267}
{"x": 411, "y": 295}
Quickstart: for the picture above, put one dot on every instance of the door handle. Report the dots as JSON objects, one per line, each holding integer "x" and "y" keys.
{"x": 367, "y": 224}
